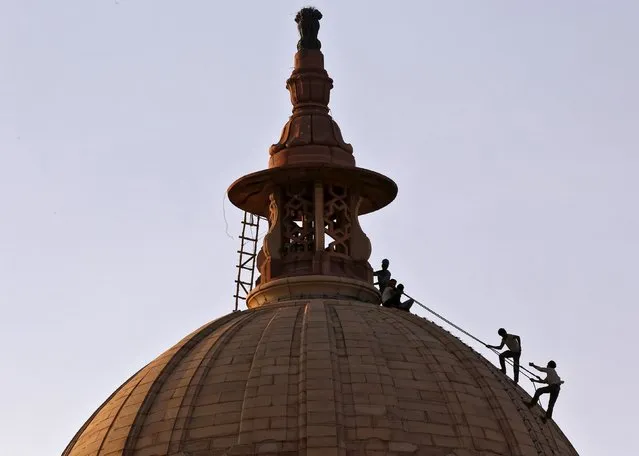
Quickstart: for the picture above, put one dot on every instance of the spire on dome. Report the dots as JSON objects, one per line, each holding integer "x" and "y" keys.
{"x": 310, "y": 135}
{"x": 312, "y": 194}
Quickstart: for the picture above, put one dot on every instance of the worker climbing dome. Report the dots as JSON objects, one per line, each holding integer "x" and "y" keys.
{"x": 316, "y": 366}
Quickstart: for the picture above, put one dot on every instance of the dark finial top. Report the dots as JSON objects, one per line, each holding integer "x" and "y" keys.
{"x": 308, "y": 25}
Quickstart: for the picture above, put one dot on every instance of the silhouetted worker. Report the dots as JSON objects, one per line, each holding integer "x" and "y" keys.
{"x": 554, "y": 386}
{"x": 383, "y": 275}
{"x": 513, "y": 343}
{"x": 389, "y": 293}
{"x": 406, "y": 305}
{"x": 392, "y": 296}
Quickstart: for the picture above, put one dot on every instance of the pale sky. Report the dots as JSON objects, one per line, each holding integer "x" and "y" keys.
{"x": 509, "y": 127}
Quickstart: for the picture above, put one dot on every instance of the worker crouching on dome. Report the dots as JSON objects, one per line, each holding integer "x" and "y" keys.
{"x": 392, "y": 296}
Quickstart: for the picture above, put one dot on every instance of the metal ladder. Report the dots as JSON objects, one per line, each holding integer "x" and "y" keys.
{"x": 247, "y": 257}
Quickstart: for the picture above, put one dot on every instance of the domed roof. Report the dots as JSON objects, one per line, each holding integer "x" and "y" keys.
{"x": 316, "y": 366}
{"x": 319, "y": 377}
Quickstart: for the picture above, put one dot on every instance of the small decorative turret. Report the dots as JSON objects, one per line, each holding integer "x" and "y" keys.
{"x": 312, "y": 194}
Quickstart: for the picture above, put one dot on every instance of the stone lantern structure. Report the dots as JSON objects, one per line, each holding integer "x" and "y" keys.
{"x": 312, "y": 195}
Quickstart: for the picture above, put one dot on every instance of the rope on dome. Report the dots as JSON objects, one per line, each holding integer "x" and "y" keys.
{"x": 525, "y": 373}
{"x": 522, "y": 369}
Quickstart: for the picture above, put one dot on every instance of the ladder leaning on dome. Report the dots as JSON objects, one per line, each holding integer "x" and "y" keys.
{"x": 247, "y": 257}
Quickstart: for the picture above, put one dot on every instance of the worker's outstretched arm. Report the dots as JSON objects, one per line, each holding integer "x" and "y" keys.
{"x": 539, "y": 368}
{"x": 497, "y": 347}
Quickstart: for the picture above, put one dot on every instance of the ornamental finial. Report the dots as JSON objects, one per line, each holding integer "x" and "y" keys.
{"x": 308, "y": 25}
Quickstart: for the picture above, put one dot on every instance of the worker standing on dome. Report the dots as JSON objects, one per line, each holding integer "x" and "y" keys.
{"x": 513, "y": 342}
{"x": 554, "y": 386}
{"x": 383, "y": 275}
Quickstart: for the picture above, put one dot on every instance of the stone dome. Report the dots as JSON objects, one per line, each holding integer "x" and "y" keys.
{"x": 319, "y": 377}
{"x": 316, "y": 367}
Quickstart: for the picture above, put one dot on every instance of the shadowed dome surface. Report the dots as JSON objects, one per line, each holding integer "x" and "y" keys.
{"x": 319, "y": 377}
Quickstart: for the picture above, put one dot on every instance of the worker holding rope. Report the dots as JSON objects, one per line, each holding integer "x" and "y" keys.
{"x": 554, "y": 386}
{"x": 513, "y": 342}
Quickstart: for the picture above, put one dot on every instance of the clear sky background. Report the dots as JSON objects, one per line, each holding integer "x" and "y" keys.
{"x": 510, "y": 127}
